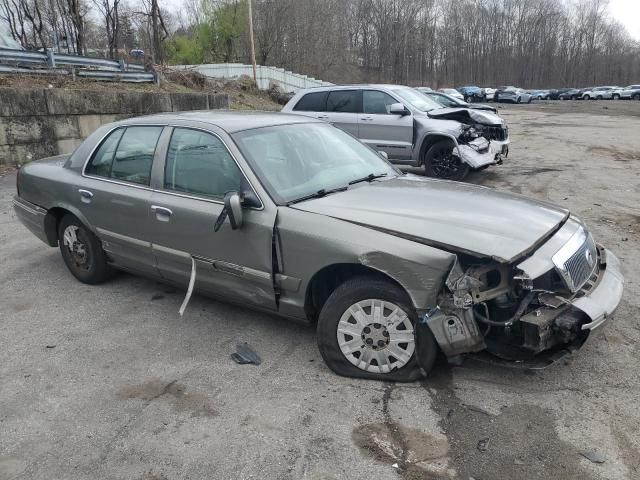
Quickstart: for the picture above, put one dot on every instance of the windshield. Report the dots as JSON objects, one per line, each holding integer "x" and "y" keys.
{"x": 295, "y": 161}
{"x": 416, "y": 99}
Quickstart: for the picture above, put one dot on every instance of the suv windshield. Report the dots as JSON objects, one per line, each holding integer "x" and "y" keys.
{"x": 299, "y": 160}
{"x": 417, "y": 99}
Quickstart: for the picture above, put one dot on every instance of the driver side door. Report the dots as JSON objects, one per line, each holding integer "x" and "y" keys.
{"x": 196, "y": 171}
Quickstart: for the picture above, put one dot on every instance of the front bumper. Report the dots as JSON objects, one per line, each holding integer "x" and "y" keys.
{"x": 604, "y": 298}
{"x": 490, "y": 153}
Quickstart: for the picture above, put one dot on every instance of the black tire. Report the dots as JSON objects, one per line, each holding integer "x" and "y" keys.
{"x": 599, "y": 97}
{"x": 586, "y": 97}
{"x": 92, "y": 267}
{"x": 364, "y": 288}
{"x": 616, "y": 96}
{"x": 636, "y": 96}
{"x": 439, "y": 162}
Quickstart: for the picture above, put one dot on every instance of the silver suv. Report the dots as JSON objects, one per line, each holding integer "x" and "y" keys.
{"x": 408, "y": 127}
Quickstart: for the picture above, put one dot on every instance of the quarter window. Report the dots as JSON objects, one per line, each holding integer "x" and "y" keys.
{"x": 198, "y": 163}
{"x": 345, "y": 101}
{"x": 127, "y": 154}
{"x": 375, "y": 102}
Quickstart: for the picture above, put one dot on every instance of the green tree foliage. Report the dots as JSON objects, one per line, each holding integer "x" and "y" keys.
{"x": 217, "y": 38}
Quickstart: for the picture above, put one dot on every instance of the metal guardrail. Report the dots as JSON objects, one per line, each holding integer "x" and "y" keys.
{"x": 14, "y": 61}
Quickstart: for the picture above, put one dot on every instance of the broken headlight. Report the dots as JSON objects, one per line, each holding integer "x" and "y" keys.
{"x": 468, "y": 134}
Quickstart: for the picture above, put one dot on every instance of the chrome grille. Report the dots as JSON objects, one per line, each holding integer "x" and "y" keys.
{"x": 577, "y": 259}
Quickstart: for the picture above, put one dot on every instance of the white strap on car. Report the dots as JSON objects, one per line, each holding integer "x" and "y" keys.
{"x": 192, "y": 282}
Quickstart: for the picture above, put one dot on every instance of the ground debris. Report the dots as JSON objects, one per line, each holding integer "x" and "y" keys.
{"x": 595, "y": 457}
{"x": 244, "y": 354}
{"x": 483, "y": 444}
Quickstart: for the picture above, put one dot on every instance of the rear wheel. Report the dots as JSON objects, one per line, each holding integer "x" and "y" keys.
{"x": 599, "y": 97}
{"x": 587, "y": 97}
{"x": 440, "y": 162}
{"x": 636, "y": 96}
{"x": 366, "y": 330}
{"x": 82, "y": 252}
{"x": 616, "y": 96}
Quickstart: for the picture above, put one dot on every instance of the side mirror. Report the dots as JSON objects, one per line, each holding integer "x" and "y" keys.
{"x": 383, "y": 154}
{"x": 398, "y": 109}
{"x": 232, "y": 209}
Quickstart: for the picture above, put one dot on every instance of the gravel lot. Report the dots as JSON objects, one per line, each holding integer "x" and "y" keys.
{"x": 109, "y": 382}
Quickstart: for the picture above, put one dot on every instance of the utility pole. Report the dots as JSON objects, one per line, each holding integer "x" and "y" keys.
{"x": 253, "y": 48}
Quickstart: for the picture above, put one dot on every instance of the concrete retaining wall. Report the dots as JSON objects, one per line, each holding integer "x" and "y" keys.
{"x": 43, "y": 122}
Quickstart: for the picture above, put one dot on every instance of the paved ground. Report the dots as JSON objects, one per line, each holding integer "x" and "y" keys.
{"x": 109, "y": 382}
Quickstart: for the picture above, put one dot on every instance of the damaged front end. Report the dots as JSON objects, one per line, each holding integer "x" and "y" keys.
{"x": 523, "y": 313}
{"x": 484, "y": 138}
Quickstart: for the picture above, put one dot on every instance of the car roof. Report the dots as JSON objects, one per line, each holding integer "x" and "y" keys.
{"x": 351, "y": 86}
{"x": 229, "y": 121}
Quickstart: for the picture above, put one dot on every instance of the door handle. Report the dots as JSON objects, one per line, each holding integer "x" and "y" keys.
{"x": 366, "y": 118}
{"x": 162, "y": 213}
{"x": 85, "y": 195}
{"x": 322, "y": 117}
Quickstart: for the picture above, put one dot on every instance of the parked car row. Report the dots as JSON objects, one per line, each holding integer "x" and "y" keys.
{"x": 513, "y": 94}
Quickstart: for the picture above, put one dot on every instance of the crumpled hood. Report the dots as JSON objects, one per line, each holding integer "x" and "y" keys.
{"x": 467, "y": 115}
{"x": 453, "y": 215}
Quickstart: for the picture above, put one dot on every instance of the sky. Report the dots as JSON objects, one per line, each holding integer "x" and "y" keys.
{"x": 627, "y": 12}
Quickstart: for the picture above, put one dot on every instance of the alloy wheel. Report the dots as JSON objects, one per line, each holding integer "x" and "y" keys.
{"x": 376, "y": 336}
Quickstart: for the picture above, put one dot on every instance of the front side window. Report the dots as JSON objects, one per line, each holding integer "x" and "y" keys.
{"x": 293, "y": 161}
{"x": 126, "y": 154}
{"x": 345, "y": 101}
{"x": 376, "y": 102}
{"x": 198, "y": 163}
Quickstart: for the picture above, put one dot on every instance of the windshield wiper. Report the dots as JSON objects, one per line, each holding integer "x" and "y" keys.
{"x": 368, "y": 178}
{"x": 319, "y": 194}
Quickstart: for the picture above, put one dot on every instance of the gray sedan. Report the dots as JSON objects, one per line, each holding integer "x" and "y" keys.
{"x": 293, "y": 216}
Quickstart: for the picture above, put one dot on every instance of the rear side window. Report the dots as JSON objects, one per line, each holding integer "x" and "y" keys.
{"x": 127, "y": 155}
{"x": 312, "y": 102}
{"x": 346, "y": 101}
{"x": 198, "y": 163}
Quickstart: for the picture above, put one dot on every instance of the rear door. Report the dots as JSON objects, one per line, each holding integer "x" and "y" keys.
{"x": 115, "y": 195}
{"x": 344, "y": 108}
{"x": 196, "y": 172}
{"x": 383, "y": 131}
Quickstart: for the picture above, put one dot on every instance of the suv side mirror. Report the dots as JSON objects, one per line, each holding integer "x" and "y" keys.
{"x": 232, "y": 209}
{"x": 398, "y": 109}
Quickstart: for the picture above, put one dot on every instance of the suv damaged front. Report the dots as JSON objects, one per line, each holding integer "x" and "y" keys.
{"x": 531, "y": 310}
{"x": 483, "y": 137}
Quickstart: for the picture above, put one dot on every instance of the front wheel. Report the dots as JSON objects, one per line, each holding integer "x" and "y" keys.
{"x": 616, "y": 96}
{"x": 82, "y": 252}
{"x": 440, "y": 162}
{"x": 366, "y": 330}
{"x": 587, "y": 97}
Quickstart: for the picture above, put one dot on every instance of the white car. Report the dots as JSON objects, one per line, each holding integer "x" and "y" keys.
{"x": 453, "y": 92}
{"x": 489, "y": 93}
{"x": 600, "y": 93}
{"x": 630, "y": 92}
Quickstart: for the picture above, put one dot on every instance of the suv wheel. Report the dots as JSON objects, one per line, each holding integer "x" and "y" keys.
{"x": 599, "y": 97}
{"x": 636, "y": 96}
{"x": 440, "y": 162}
{"x": 366, "y": 330}
{"x": 587, "y": 97}
{"x": 616, "y": 96}
{"x": 82, "y": 252}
